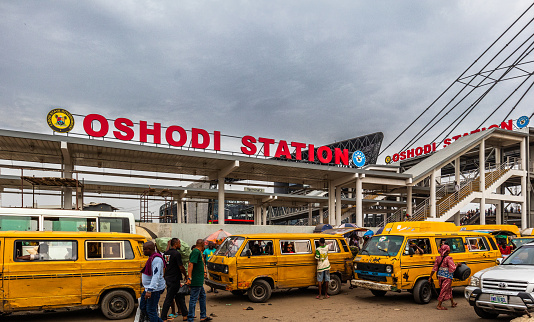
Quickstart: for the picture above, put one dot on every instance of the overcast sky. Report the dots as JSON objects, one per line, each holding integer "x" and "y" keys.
{"x": 309, "y": 71}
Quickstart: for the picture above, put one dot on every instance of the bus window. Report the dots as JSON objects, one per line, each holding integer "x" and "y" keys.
{"x": 68, "y": 224}
{"x": 116, "y": 225}
{"x": 20, "y": 223}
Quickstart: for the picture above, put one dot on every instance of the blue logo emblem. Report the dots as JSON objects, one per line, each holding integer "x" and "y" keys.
{"x": 522, "y": 122}
{"x": 358, "y": 158}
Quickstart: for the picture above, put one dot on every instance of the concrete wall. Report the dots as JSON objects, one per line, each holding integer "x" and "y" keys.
{"x": 191, "y": 232}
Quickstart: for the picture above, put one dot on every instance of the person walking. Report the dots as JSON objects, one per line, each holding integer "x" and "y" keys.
{"x": 173, "y": 276}
{"x": 444, "y": 266}
{"x": 323, "y": 268}
{"x": 153, "y": 282}
{"x": 208, "y": 252}
{"x": 196, "y": 275}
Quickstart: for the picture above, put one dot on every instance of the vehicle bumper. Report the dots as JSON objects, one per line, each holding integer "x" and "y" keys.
{"x": 217, "y": 285}
{"x": 373, "y": 285}
{"x": 517, "y": 303}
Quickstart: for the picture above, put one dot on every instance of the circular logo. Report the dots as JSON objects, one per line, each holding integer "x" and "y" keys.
{"x": 522, "y": 122}
{"x": 358, "y": 158}
{"x": 388, "y": 159}
{"x": 60, "y": 120}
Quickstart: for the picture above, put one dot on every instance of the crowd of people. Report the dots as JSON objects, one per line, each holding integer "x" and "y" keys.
{"x": 166, "y": 271}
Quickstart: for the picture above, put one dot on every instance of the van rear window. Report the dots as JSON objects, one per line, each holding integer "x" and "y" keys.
{"x": 105, "y": 250}
{"x": 45, "y": 250}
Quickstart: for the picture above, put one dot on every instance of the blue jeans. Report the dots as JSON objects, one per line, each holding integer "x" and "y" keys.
{"x": 150, "y": 306}
{"x": 197, "y": 294}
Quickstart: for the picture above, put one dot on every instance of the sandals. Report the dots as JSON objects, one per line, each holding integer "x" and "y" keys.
{"x": 454, "y": 304}
{"x": 441, "y": 308}
{"x": 207, "y": 318}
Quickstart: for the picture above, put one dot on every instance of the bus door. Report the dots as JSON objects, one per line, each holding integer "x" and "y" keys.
{"x": 256, "y": 259}
{"x": 459, "y": 252}
{"x": 417, "y": 259}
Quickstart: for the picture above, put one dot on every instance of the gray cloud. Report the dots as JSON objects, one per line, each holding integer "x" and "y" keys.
{"x": 311, "y": 71}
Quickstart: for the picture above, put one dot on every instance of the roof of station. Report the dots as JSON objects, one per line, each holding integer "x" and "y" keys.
{"x": 44, "y": 148}
{"x": 495, "y": 137}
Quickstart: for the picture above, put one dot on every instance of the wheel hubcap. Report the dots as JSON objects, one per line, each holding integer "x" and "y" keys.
{"x": 259, "y": 291}
{"x": 118, "y": 304}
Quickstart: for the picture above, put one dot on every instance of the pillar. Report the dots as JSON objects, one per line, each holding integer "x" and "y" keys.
{"x": 457, "y": 170}
{"x": 256, "y": 215}
{"x": 179, "y": 211}
{"x": 457, "y": 218}
{"x": 221, "y": 199}
{"x": 409, "y": 200}
{"x": 523, "y": 155}
{"x": 338, "y": 205}
{"x": 331, "y": 199}
{"x": 67, "y": 192}
{"x": 433, "y": 194}
{"x": 321, "y": 214}
{"x": 359, "y": 202}
{"x": 482, "y": 181}
{"x": 264, "y": 211}
{"x": 310, "y": 215}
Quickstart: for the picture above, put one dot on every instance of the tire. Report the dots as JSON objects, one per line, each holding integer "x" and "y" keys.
{"x": 422, "y": 291}
{"x": 334, "y": 286}
{"x": 378, "y": 293}
{"x": 259, "y": 292}
{"x": 118, "y": 304}
{"x": 485, "y": 314}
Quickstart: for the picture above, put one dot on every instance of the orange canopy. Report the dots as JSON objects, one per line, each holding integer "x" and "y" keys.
{"x": 217, "y": 237}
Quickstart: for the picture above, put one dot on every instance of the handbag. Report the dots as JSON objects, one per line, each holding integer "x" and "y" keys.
{"x": 444, "y": 271}
{"x": 184, "y": 290}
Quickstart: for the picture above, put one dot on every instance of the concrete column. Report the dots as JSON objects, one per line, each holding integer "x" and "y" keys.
{"x": 498, "y": 213}
{"x": 310, "y": 214}
{"x": 255, "y": 215}
{"x": 338, "y": 205}
{"x": 179, "y": 211}
{"x": 221, "y": 199}
{"x": 457, "y": 218}
{"x": 523, "y": 154}
{"x": 321, "y": 214}
{"x": 498, "y": 156}
{"x": 264, "y": 211}
{"x": 524, "y": 203}
{"x": 483, "y": 210}
{"x": 433, "y": 194}
{"x": 457, "y": 170}
{"x": 409, "y": 200}
{"x": 481, "y": 166}
{"x": 331, "y": 198}
{"x": 359, "y": 202}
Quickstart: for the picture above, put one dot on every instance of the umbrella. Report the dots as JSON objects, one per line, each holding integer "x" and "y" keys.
{"x": 527, "y": 232}
{"x": 379, "y": 231}
{"x": 369, "y": 233}
{"x": 347, "y": 225}
{"x": 321, "y": 227}
{"x": 145, "y": 232}
{"x": 217, "y": 237}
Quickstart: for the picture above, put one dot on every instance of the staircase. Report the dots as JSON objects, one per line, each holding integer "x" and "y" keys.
{"x": 449, "y": 204}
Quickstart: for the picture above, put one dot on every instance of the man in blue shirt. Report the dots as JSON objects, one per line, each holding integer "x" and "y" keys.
{"x": 153, "y": 282}
{"x": 208, "y": 252}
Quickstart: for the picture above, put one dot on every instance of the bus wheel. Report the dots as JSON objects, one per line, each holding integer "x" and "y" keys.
{"x": 259, "y": 292}
{"x": 334, "y": 286}
{"x": 378, "y": 293}
{"x": 117, "y": 305}
{"x": 422, "y": 292}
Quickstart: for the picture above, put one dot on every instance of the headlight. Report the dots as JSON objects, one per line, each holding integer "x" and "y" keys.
{"x": 389, "y": 269}
{"x": 474, "y": 281}
{"x": 226, "y": 270}
{"x": 358, "y": 258}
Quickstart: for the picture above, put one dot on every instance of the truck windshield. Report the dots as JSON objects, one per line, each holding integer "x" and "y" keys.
{"x": 383, "y": 246}
{"x": 522, "y": 256}
{"x": 230, "y": 246}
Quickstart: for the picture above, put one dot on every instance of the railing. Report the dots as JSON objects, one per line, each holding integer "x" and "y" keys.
{"x": 393, "y": 217}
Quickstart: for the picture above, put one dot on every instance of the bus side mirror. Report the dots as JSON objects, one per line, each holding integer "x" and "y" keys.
{"x": 410, "y": 251}
{"x": 498, "y": 261}
{"x": 248, "y": 253}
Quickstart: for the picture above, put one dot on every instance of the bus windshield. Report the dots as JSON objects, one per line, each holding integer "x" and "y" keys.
{"x": 230, "y": 246}
{"x": 383, "y": 245}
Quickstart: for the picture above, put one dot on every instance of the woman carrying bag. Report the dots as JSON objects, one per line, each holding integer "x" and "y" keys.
{"x": 445, "y": 267}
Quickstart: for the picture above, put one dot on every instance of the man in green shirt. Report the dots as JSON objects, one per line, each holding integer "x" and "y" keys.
{"x": 196, "y": 275}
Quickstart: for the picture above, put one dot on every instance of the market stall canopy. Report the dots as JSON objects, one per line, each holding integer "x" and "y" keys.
{"x": 321, "y": 227}
{"x": 343, "y": 231}
{"x": 217, "y": 237}
{"x": 527, "y": 232}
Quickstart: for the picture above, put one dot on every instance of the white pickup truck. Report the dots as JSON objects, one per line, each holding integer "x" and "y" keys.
{"x": 507, "y": 288}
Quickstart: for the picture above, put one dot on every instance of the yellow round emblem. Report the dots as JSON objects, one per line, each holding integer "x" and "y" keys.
{"x": 388, "y": 159}
{"x": 60, "y": 120}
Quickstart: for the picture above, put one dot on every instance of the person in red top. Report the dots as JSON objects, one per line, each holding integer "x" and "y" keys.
{"x": 505, "y": 250}
{"x": 444, "y": 266}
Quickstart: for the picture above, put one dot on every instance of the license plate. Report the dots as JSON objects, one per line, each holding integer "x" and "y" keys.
{"x": 499, "y": 299}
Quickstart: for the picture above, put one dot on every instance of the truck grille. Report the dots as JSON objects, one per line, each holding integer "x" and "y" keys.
{"x": 380, "y": 268}
{"x": 515, "y": 286}
{"x": 216, "y": 267}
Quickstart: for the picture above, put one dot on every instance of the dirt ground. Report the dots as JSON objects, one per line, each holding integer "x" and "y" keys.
{"x": 301, "y": 305}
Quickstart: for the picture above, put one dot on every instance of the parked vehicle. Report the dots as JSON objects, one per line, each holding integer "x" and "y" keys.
{"x": 259, "y": 263}
{"x": 388, "y": 263}
{"x": 507, "y": 288}
{"x": 50, "y": 270}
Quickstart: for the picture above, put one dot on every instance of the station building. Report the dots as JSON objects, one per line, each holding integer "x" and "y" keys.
{"x": 487, "y": 170}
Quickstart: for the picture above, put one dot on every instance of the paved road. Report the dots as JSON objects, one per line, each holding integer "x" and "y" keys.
{"x": 301, "y": 305}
